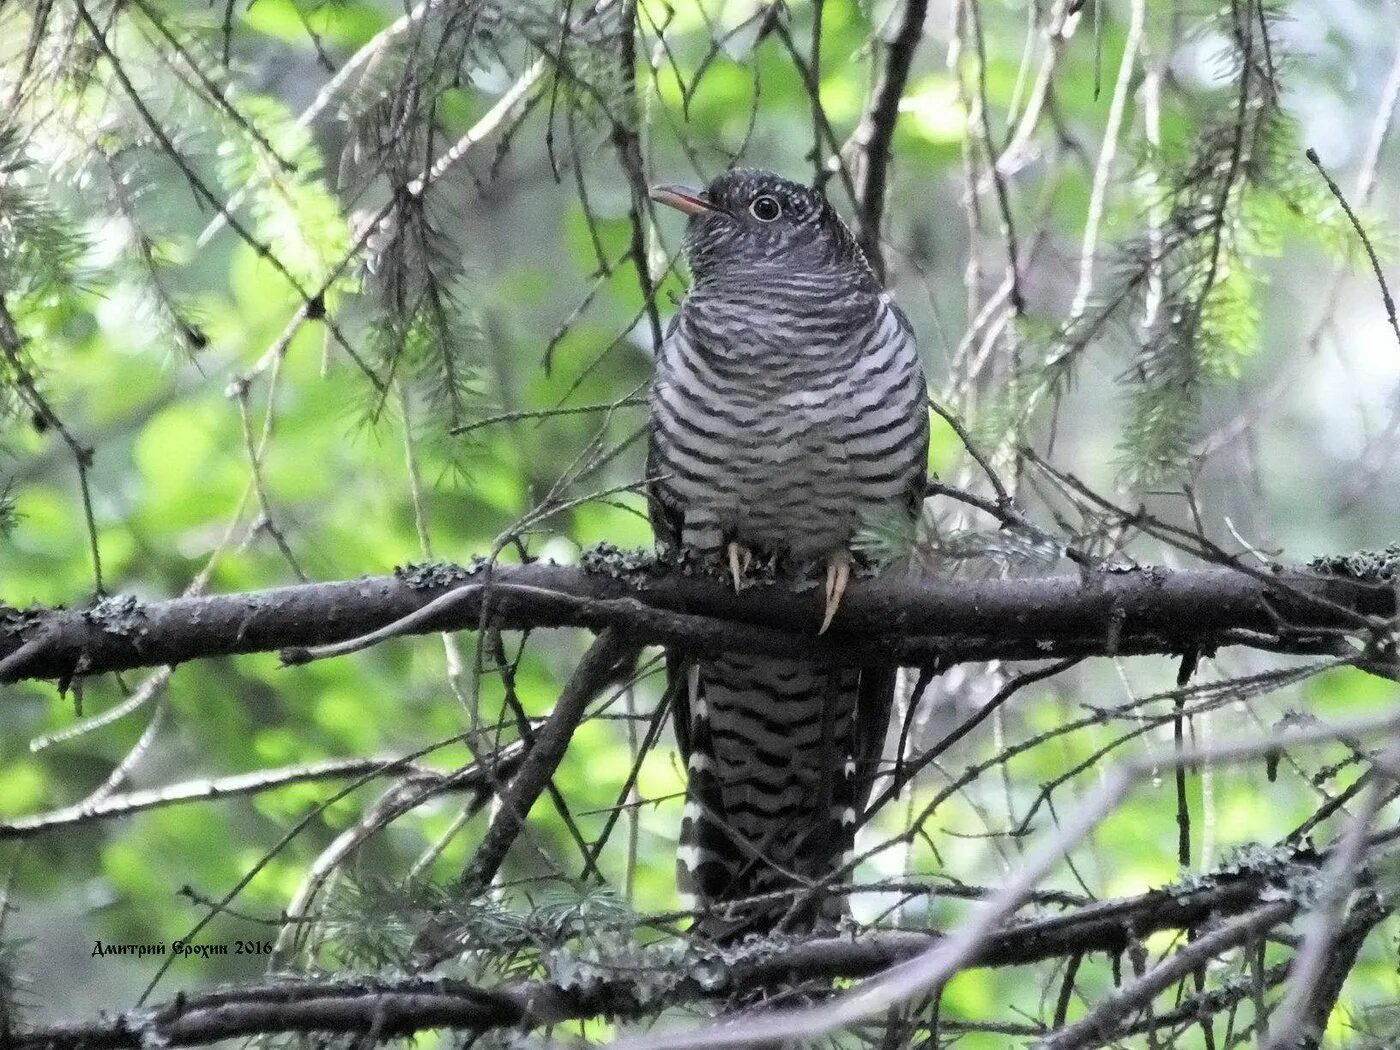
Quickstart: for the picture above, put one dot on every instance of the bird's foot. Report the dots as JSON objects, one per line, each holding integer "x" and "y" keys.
{"x": 838, "y": 574}
{"x": 740, "y": 558}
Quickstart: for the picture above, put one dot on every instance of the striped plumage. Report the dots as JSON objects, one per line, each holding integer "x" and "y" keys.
{"x": 788, "y": 405}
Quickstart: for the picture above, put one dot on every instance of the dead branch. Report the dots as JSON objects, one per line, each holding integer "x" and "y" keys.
{"x": 876, "y": 132}
{"x": 1098, "y": 1026}
{"x": 546, "y": 751}
{"x": 218, "y": 788}
{"x": 399, "y": 1008}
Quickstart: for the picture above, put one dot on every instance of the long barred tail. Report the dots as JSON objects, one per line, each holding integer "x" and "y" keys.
{"x": 774, "y": 786}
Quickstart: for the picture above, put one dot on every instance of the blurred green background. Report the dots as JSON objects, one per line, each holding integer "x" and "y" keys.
{"x": 1301, "y": 428}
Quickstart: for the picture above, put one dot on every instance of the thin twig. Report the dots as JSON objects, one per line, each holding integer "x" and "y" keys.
{"x": 1098, "y": 1026}
{"x": 13, "y": 347}
{"x": 601, "y": 661}
{"x": 203, "y": 790}
{"x": 1336, "y": 190}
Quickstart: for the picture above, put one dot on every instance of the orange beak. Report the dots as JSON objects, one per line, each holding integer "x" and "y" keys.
{"x": 683, "y": 199}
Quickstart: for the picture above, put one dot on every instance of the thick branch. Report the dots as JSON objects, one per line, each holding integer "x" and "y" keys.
{"x": 404, "y": 1007}
{"x": 891, "y": 619}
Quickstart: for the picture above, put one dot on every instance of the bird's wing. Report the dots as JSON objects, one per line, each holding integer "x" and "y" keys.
{"x": 666, "y": 513}
{"x": 918, "y": 470}
{"x": 667, "y": 517}
{"x": 877, "y": 684}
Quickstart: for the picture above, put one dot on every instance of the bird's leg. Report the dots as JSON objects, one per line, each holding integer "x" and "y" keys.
{"x": 838, "y": 574}
{"x": 740, "y": 558}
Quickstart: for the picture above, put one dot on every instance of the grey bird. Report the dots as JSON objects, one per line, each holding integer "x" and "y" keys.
{"x": 788, "y": 406}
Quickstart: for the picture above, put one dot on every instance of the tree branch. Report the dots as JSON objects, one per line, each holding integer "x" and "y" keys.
{"x": 213, "y": 788}
{"x": 546, "y": 751}
{"x": 885, "y": 620}
{"x": 876, "y": 132}
{"x": 1365, "y": 915}
{"x": 1098, "y": 1026}
{"x": 399, "y": 1008}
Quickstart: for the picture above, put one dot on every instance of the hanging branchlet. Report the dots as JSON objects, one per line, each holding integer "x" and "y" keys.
{"x": 41, "y": 250}
{"x": 1186, "y": 297}
{"x": 424, "y": 331}
{"x": 421, "y": 333}
{"x": 295, "y": 215}
{"x": 150, "y": 256}
{"x": 41, "y": 271}
{"x": 1205, "y": 317}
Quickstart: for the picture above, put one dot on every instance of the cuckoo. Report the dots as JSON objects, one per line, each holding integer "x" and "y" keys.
{"x": 788, "y": 407}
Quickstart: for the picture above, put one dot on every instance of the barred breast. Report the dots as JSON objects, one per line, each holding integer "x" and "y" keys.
{"x": 783, "y": 434}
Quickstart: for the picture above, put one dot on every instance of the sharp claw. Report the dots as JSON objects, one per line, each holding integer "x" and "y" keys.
{"x": 739, "y": 559}
{"x": 838, "y": 574}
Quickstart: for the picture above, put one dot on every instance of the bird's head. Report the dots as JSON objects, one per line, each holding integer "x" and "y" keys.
{"x": 747, "y": 221}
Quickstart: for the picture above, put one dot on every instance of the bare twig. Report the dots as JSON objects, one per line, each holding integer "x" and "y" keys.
{"x": 1336, "y": 190}
{"x": 912, "y": 769}
{"x": 598, "y": 664}
{"x": 208, "y": 789}
{"x": 1103, "y": 170}
{"x": 1098, "y": 1026}
{"x": 13, "y": 348}
{"x": 876, "y": 131}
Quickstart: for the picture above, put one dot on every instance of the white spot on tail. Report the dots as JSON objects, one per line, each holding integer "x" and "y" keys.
{"x": 688, "y": 857}
{"x": 698, "y": 707}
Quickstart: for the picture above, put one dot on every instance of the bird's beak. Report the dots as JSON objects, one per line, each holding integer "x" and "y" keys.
{"x": 682, "y": 198}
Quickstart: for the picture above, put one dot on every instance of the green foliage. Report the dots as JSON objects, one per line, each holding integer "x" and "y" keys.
{"x": 1205, "y": 319}
{"x": 571, "y": 936}
{"x": 40, "y": 250}
{"x": 424, "y": 332}
{"x": 41, "y": 255}
{"x": 1008, "y": 550}
{"x": 295, "y": 215}
{"x": 500, "y": 298}
{"x": 1185, "y": 295}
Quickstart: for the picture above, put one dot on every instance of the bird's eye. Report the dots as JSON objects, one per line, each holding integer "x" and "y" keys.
{"x": 765, "y": 208}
